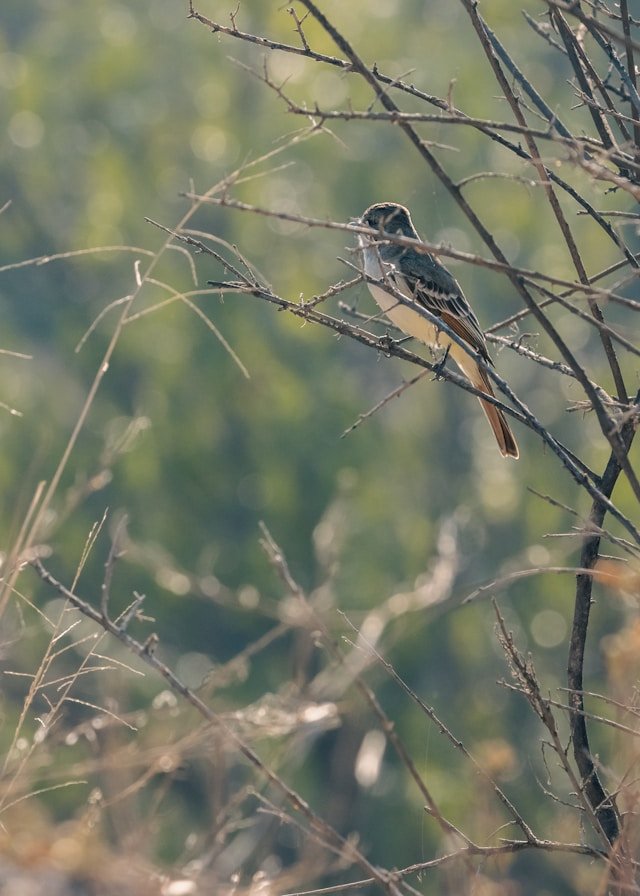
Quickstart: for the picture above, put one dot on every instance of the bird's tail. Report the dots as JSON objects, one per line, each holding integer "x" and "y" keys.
{"x": 497, "y": 420}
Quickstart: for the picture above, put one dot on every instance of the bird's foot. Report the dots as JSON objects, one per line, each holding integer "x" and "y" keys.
{"x": 385, "y": 344}
{"x": 439, "y": 367}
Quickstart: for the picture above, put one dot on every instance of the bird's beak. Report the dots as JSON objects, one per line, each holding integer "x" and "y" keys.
{"x": 355, "y": 220}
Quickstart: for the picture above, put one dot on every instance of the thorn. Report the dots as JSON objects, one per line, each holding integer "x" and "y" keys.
{"x": 149, "y": 646}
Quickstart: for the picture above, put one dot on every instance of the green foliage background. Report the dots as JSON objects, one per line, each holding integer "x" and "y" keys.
{"x": 113, "y": 109}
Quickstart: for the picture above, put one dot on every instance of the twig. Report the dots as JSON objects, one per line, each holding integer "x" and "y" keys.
{"x": 526, "y": 85}
{"x": 298, "y": 23}
{"x": 115, "y": 553}
{"x": 611, "y": 269}
{"x": 596, "y": 794}
{"x": 518, "y": 575}
{"x": 380, "y": 404}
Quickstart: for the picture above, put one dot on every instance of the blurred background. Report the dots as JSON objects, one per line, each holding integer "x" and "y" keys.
{"x": 111, "y": 111}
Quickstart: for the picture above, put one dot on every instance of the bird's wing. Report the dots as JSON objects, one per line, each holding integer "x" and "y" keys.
{"x": 432, "y": 286}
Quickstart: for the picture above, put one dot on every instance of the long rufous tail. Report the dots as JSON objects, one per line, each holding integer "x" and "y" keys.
{"x": 497, "y": 420}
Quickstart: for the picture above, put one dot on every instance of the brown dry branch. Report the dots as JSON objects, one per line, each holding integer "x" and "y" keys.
{"x": 441, "y": 249}
{"x": 520, "y": 315}
{"x": 395, "y": 393}
{"x": 517, "y": 575}
{"x": 595, "y": 717}
{"x": 598, "y": 800}
{"x": 515, "y": 345}
{"x": 630, "y": 70}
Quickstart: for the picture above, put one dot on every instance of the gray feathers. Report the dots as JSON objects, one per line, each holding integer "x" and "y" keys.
{"x": 428, "y": 281}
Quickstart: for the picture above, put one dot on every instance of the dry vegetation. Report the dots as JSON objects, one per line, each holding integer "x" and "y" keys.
{"x": 82, "y": 722}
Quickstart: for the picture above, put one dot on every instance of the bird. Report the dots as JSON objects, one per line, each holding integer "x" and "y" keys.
{"x": 425, "y": 283}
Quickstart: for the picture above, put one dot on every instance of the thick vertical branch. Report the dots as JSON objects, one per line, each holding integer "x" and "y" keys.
{"x": 602, "y": 803}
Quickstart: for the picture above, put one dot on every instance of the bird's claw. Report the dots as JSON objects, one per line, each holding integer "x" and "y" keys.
{"x": 385, "y": 344}
{"x": 439, "y": 367}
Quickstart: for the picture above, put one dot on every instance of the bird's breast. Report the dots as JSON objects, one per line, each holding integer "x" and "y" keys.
{"x": 403, "y": 316}
{"x": 407, "y": 319}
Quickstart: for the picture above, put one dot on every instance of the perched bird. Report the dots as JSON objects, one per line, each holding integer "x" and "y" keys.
{"x": 426, "y": 283}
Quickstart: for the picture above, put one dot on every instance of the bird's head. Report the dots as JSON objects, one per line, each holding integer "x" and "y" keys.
{"x": 390, "y": 217}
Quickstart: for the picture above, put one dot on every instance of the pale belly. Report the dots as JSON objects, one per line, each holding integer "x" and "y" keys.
{"x": 414, "y": 324}
{"x": 409, "y": 321}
